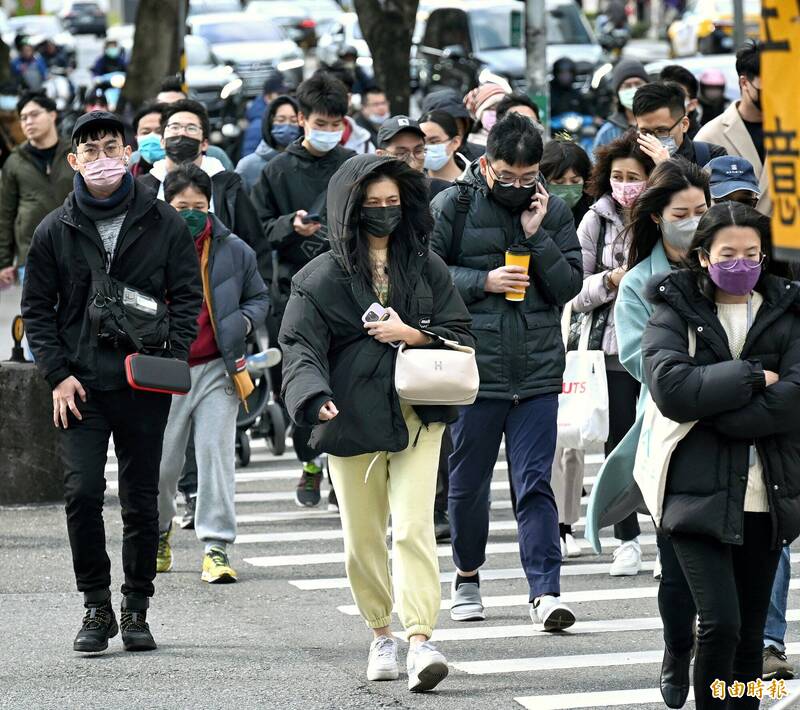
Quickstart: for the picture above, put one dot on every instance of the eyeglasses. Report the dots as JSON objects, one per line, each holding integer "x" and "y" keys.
{"x": 750, "y": 263}
{"x": 91, "y": 153}
{"x": 190, "y": 129}
{"x": 30, "y": 116}
{"x": 511, "y": 180}
{"x": 406, "y": 155}
{"x": 660, "y": 132}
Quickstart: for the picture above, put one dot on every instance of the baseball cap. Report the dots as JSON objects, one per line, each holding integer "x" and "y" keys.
{"x": 394, "y": 125}
{"x": 730, "y": 173}
{"x": 107, "y": 118}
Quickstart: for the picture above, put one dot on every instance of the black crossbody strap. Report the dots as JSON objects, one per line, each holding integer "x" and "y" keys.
{"x": 99, "y": 284}
{"x": 459, "y": 222}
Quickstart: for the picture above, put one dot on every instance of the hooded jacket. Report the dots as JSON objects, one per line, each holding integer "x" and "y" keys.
{"x": 734, "y": 409}
{"x": 360, "y": 139}
{"x": 520, "y": 348}
{"x": 294, "y": 180}
{"x": 229, "y": 201}
{"x": 327, "y": 353}
{"x": 27, "y": 195}
{"x": 617, "y": 122}
{"x": 154, "y": 254}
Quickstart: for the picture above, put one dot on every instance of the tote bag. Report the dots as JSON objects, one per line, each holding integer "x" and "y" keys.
{"x": 583, "y": 402}
{"x": 658, "y": 440}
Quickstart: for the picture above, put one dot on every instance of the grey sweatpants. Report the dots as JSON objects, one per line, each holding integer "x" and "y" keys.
{"x": 211, "y": 405}
{"x": 566, "y": 480}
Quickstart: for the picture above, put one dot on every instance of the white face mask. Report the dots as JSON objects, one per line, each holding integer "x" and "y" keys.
{"x": 324, "y": 141}
{"x": 679, "y": 234}
{"x": 436, "y": 156}
{"x": 626, "y": 97}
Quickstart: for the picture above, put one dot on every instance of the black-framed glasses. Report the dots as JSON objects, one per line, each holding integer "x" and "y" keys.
{"x": 660, "y": 133}
{"x": 512, "y": 180}
{"x": 406, "y": 155}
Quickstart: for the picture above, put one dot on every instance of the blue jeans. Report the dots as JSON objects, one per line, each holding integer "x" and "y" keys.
{"x": 775, "y": 628}
{"x": 530, "y": 430}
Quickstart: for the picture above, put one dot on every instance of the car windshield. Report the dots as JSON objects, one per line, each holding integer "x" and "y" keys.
{"x": 85, "y": 7}
{"x": 504, "y": 28}
{"x": 35, "y": 24}
{"x": 238, "y": 32}
{"x": 200, "y": 7}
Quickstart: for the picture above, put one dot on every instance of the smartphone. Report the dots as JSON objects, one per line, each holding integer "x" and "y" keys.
{"x": 313, "y": 217}
{"x": 375, "y": 313}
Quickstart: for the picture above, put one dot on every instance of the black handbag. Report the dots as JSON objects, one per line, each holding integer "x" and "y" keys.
{"x": 164, "y": 375}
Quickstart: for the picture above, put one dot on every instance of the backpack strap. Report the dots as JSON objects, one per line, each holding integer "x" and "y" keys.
{"x": 601, "y": 245}
{"x": 702, "y": 153}
{"x": 459, "y": 221}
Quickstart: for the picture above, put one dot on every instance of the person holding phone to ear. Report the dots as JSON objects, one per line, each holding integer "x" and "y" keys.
{"x": 380, "y": 284}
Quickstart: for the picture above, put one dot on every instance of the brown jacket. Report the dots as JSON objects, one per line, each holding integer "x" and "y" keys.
{"x": 729, "y": 131}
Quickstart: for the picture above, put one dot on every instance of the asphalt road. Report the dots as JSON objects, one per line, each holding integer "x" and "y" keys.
{"x": 286, "y": 636}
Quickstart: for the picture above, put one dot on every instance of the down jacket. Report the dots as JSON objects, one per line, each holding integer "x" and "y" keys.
{"x": 708, "y": 471}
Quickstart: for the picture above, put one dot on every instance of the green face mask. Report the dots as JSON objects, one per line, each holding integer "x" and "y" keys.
{"x": 571, "y": 194}
{"x": 195, "y": 221}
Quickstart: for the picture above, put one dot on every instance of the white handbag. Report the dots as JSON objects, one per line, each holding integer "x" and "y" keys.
{"x": 437, "y": 376}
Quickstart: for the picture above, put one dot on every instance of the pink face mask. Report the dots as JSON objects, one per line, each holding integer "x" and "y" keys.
{"x": 625, "y": 193}
{"x": 488, "y": 119}
{"x": 104, "y": 173}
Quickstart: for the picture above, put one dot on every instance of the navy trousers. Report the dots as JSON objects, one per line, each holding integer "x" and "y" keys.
{"x": 530, "y": 430}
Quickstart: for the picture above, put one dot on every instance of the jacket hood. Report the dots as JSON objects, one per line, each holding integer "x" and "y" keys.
{"x": 472, "y": 176}
{"x": 342, "y": 200}
{"x": 359, "y": 136}
{"x": 264, "y": 150}
{"x": 619, "y": 119}
{"x": 447, "y": 100}
{"x": 626, "y": 69}
{"x": 269, "y": 116}
{"x": 218, "y": 229}
{"x": 210, "y": 166}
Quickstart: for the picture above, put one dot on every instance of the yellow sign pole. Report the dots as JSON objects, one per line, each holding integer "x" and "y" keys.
{"x": 780, "y": 76}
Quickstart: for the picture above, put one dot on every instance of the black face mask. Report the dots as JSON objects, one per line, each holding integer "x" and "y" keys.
{"x": 514, "y": 199}
{"x": 380, "y": 221}
{"x": 182, "y": 149}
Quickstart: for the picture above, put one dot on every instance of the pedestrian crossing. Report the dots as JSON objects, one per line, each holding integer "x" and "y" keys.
{"x": 610, "y": 658}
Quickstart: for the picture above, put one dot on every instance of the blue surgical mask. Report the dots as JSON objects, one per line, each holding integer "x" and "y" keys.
{"x": 670, "y": 144}
{"x": 112, "y": 52}
{"x": 285, "y": 133}
{"x": 8, "y": 103}
{"x": 150, "y": 147}
{"x": 436, "y": 156}
{"x": 324, "y": 141}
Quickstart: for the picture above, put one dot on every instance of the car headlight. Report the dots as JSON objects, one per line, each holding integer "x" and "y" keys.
{"x": 573, "y": 124}
{"x": 231, "y": 88}
{"x": 289, "y": 64}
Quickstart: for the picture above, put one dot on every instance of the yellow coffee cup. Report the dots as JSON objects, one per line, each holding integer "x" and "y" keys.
{"x": 517, "y": 255}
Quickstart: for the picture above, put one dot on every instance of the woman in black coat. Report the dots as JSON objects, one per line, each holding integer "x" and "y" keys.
{"x": 338, "y": 377}
{"x": 732, "y": 496}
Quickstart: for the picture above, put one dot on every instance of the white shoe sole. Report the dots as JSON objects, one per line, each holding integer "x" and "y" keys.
{"x": 428, "y": 678}
{"x": 378, "y": 674}
{"x": 558, "y": 620}
{"x": 468, "y": 615}
{"x": 625, "y": 571}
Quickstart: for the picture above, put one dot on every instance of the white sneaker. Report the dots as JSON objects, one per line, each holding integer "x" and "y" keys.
{"x": 657, "y": 566}
{"x": 573, "y": 548}
{"x": 550, "y": 614}
{"x": 627, "y": 559}
{"x": 382, "y": 663}
{"x": 563, "y": 549}
{"x": 427, "y": 667}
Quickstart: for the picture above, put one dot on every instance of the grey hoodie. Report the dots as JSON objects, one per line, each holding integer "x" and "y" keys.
{"x": 250, "y": 167}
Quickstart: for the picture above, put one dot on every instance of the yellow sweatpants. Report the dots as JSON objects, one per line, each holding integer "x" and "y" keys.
{"x": 403, "y": 484}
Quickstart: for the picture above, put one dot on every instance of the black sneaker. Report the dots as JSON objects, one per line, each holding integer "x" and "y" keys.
{"x": 333, "y": 504}
{"x": 441, "y": 525}
{"x": 307, "y": 492}
{"x": 136, "y": 634}
{"x": 99, "y": 625}
{"x": 187, "y": 522}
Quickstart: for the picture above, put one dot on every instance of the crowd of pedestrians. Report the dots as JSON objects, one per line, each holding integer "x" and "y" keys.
{"x": 356, "y": 238}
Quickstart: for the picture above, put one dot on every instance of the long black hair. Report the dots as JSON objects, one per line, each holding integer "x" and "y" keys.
{"x": 668, "y": 178}
{"x": 408, "y": 241}
{"x": 730, "y": 214}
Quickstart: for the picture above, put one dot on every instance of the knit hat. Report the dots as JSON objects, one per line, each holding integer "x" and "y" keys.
{"x": 627, "y": 69}
{"x": 483, "y": 98}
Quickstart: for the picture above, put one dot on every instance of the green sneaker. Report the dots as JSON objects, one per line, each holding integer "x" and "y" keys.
{"x": 164, "y": 556}
{"x": 307, "y": 492}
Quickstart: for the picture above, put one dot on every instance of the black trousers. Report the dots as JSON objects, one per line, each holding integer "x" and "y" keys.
{"x": 137, "y": 420}
{"x": 675, "y": 601}
{"x": 443, "y": 474}
{"x": 187, "y": 483}
{"x": 623, "y": 391}
{"x": 731, "y": 585}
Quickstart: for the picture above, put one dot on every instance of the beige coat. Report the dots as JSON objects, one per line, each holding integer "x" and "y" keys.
{"x": 729, "y": 131}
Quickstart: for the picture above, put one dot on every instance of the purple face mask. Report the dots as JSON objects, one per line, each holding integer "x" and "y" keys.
{"x": 736, "y": 276}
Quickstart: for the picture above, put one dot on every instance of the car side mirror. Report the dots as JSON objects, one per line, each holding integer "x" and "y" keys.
{"x": 454, "y": 51}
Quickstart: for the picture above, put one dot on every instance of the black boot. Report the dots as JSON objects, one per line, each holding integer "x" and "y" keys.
{"x": 99, "y": 625}
{"x": 675, "y": 678}
{"x": 136, "y": 634}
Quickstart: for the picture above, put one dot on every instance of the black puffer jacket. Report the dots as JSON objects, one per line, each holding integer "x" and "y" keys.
{"x": 155, "y": 254}
{"x": 708, "y": 471}
{"x": 327, "y": 354}
{"x": 520, "y": 348}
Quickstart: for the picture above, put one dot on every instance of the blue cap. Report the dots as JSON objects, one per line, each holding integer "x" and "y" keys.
{"x": 730, "y": 173}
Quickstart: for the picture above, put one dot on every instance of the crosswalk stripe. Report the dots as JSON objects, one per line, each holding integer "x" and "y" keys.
{"x": 497, "y": 548}
{"x": 551, "y": 663}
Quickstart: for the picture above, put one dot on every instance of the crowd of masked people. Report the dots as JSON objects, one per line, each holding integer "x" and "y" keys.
{"x": 662, "y": 235}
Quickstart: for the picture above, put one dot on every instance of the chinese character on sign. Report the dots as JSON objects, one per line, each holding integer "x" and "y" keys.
{"x": 736, "y": 689}
{"x": 755, "y": 689}
{"x": 779, "y": 144}
{"x": 777, "y": 689}
{"x": 718, "y": 689}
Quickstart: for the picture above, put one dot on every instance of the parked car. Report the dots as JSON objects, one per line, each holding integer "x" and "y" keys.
{"x": 463, "y": 38}
{"x": 295, "y": 20}
{"x": 726, "y": 63}
{"x": 253, "y": 49}
{"x": 706, "y": 26}
{"x": 345, "y": 32}
{"x": 86, "y": 18}
{"x": 325, "y": 13}
{"x": 38, "y": 28}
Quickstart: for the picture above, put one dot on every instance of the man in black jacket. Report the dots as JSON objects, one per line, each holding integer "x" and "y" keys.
{"x": 663, "y": 122}
{"x": 146, "y": 246}
{"x": 290, "y": 199}
{"x": 502, "y": 202}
